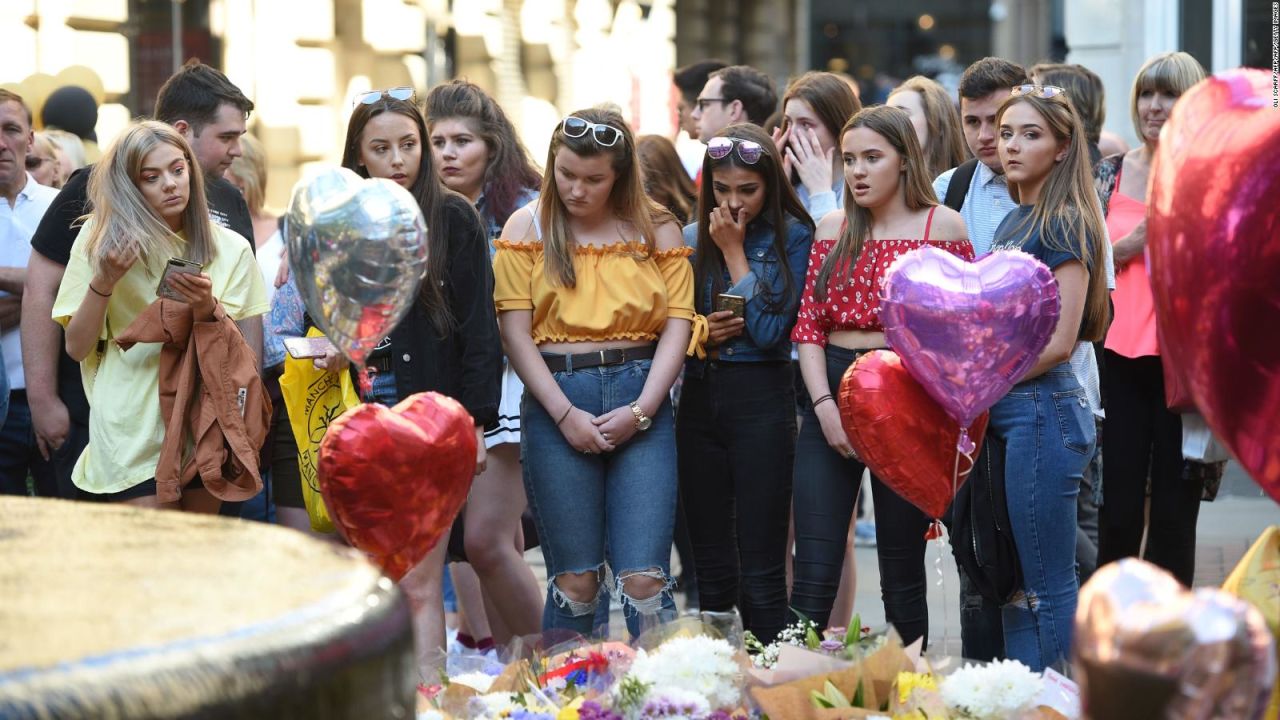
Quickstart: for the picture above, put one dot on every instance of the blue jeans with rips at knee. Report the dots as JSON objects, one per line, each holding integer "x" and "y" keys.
{"x": 1049, "y": 434}
{"x": 612, "y": 514}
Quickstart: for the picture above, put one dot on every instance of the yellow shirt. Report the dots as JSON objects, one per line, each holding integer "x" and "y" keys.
{"x": 125, "y": 426}
{"x": 621, "y": 293}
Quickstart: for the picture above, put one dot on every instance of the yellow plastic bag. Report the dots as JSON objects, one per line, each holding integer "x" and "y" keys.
{"x": 314, "y": 398}
{"x": 1255, "y": 580}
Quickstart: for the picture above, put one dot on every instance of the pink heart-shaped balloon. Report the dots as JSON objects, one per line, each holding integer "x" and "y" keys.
{"x": 1213, "y": 229}
{"x": 968, "y": 331}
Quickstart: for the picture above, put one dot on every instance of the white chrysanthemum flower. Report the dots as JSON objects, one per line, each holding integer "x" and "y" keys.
{"x": 701, "y": 665}
{"x": 478, "y": 681}
{"x": 990, "y": 692}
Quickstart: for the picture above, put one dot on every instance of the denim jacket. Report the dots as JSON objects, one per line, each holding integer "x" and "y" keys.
{"x": 767, "y": 336}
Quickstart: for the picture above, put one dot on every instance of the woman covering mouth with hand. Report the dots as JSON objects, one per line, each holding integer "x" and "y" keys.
{"x": 736, "y": 430}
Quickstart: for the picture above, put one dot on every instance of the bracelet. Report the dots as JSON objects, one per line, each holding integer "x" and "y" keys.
{"x": 98, "y": 292}
{"x": 822, "y": 399}
{"x": 565, "y": 415}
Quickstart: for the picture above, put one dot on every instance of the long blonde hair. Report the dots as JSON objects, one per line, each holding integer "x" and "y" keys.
{"x": 122, "y": 219}
{"x": 1068, "y": 199}
{"x": 627, "y": 198}
{"x": 895, "y": 126}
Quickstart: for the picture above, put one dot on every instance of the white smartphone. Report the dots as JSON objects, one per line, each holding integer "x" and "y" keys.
{"x": 304, "y": 348}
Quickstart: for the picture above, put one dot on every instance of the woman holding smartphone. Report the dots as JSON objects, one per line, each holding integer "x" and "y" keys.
{"x": 477, "y": 153}
{"x": 736, "y": 426}
{"x": 1045, "y": 421}
{"x": 595, "y": 299}
{"x": 150, "y": 207}
{"x": 889, "y": 209}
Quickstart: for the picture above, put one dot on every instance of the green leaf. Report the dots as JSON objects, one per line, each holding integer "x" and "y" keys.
{"x": 853, "y": 633}
{"x": 836, "y": 697}
{"x": 819, "y": 700}
{"x": 811, "y": 639}
{"x": 859, "y": 696}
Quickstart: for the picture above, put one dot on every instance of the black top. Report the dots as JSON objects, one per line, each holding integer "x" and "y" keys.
{"x": 1014, "y": 235}
{"x": 57, "y": 233}
{"x": 465, "y": 362}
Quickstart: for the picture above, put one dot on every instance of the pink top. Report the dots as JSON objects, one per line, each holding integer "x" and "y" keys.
{"x": 853, "y": 294}
{"x": 1133, "y": 330}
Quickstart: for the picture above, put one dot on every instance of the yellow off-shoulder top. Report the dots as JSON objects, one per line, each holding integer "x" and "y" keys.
{"x": 622, "y": 291}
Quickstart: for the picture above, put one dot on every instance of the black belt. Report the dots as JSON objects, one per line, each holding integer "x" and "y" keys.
{"x": 382, "y": 363}
{"x": 563, "y": 363}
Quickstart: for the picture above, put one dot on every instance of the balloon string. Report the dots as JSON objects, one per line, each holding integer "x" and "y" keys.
{"x": 942, "y": 589}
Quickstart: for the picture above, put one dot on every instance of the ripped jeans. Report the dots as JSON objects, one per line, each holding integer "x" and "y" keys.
{"x": 627, "y": 496}
{"x": 1049, "y": 433}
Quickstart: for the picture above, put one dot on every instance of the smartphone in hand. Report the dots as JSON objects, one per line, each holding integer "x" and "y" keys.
{"x": 733, "y": 303}
{"x": 176, "y": 266}
{"x": 304, "y": 348}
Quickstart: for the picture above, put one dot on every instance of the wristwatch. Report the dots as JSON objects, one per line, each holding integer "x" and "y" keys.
{"x": 643, "y": 422}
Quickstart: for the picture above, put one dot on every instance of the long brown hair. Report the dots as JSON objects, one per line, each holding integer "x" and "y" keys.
{"x": 893, "y": 125}
{"x": 1068, "y": 200}
{"x": 830, "y": 97}
{"x": 509, "y": 172}
{"x": 627, "y": 200}
{"x": 122, "y": 219}
{"x": 945, "y": 147}
{"x": 428, "y": 191}
{"x": 780, "y": 202}
{"x": 665, "y": 179}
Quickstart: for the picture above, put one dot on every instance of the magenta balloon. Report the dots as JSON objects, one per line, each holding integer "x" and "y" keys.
{"x": 1213, "y": 232}
{"x": 968, "y": 331}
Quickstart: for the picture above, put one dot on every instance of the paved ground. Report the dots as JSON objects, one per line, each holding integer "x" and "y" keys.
{"x": 1227, "y": 527}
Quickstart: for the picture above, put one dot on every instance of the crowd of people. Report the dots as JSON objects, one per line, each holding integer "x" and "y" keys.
{"x": 648, "y": 356}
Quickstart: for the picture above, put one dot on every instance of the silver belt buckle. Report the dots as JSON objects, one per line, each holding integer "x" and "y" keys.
{"x": 602, "y": 360}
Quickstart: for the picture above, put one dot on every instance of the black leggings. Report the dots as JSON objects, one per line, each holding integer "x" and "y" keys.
{"x": 826, "y": 489}
{"x": 1142, "y": 438}
{"x": 735, "y": 438}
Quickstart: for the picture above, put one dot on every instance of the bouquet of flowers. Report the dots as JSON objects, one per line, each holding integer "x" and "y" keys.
{"x": 849, "y": 643}
{"x": 1002, "y": 690}
{"x": 693, "y": 677}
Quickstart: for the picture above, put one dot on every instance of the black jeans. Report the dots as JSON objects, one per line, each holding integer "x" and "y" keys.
{"x": 826, "y": 489}
{"x": 1143, "y": 438}
{"x": 735, "y": 440}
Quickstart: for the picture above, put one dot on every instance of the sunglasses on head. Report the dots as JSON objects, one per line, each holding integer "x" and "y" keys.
{"x": 403, "y": 92}
{"x": 749, "y": 151}
{"x": 1040, "y": 91}
{"x": 604, "y": 135}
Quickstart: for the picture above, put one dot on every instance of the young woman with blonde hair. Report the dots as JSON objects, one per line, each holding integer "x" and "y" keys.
{"x": 1044, "y": 422}
{"x": 595, "y": 299}
{"x": 148, "y": 200}
{"x": 936, "y": 120}
{"x": 890, "y": 209}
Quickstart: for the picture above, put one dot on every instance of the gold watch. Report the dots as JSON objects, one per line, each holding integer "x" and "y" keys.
{"x": 643, "y": 422}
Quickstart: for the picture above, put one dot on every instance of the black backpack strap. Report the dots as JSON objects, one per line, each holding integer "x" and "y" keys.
{"x": 959, "y": 186}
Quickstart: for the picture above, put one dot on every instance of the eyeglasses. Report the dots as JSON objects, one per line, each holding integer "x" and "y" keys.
{"x": 749, "y": 151}
{"x": 702, "y": 102}
{"x": 404, "y": 92}
{"x": 1040, "y": 91}
{"x": 604, "y": 135}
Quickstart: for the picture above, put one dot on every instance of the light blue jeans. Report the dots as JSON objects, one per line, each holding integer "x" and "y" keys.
{"x": 1049, "y": 431}
{"x": 612, "y": 514}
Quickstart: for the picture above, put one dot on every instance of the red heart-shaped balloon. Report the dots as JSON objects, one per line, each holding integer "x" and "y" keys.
{"x": 1213, "y": 230}
{"x": 394, "y": 478}
{"x": 902, "y": 433}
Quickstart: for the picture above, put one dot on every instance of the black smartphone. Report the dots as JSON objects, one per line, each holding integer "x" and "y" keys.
{"x": 175, "y": 266}
{"x": 733, "y": 303}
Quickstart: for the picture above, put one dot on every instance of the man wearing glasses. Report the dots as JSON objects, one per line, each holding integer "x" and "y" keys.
{"x": 735, "y": 94}
{"x": 24, "y": 204}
